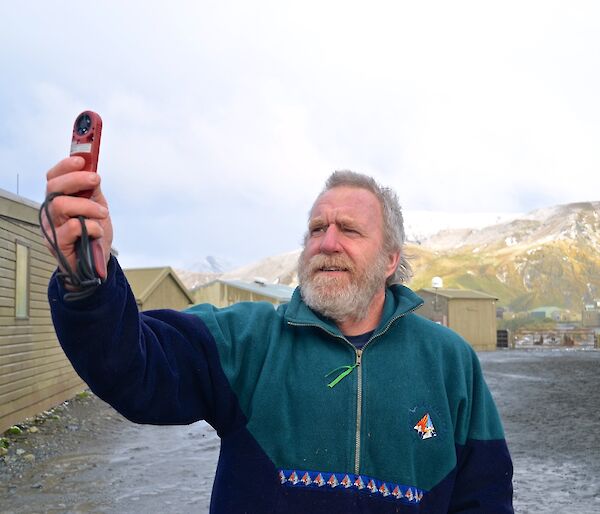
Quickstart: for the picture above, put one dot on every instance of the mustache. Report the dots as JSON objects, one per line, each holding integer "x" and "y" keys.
{"x": 320, "y": 262}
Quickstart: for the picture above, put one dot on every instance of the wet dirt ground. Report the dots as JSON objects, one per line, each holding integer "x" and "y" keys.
{"x": 88, "y": 459}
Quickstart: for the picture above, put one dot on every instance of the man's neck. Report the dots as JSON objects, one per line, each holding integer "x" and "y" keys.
{"x": 353, "y": 327}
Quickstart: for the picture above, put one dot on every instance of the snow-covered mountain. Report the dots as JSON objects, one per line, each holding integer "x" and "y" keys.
{"x": 547, "y": 257}
{"x": 550, "y": 256}
{"x": 420, "y": 225}
{"x": 211, "y": 264}
{"x": 570, "y": 222}
{"x": 203, "y": 271}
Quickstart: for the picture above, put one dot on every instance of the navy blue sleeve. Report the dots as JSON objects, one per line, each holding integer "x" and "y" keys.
{"x": 157, "y": 367}
{"x": 484, "y": 478}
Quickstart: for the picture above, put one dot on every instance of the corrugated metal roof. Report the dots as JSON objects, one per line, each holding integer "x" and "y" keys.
{"x": 278, "y": 291}
{"x": 466, "y": 294}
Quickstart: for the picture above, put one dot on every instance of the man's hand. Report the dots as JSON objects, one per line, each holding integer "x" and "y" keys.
{"x": 66, "y": 177}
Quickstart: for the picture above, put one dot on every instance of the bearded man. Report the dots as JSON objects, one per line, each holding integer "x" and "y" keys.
{"x": 342, "y": 401}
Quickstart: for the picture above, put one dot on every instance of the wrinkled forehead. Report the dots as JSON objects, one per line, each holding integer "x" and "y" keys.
{"x": 348, "y": 202}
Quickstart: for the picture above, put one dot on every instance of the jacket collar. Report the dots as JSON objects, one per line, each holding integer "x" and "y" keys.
{"x": 399, "y": 300}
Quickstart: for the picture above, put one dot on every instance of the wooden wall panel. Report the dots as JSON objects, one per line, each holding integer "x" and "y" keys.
{"x": 35, "y": 375}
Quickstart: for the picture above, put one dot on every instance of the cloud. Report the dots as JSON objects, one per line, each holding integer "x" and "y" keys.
{"x": 222, "y": 120}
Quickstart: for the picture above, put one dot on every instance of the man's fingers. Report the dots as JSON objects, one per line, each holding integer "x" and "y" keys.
{"x": 68, "y": 233}
{"x": 67, "y": 236}
{"x": 67, "y": 177}
{"x": 60, "y": 216}
{"x": 67, "y": 165}
{"x": 64, "y": 207}
{"x": 73, "y": 182}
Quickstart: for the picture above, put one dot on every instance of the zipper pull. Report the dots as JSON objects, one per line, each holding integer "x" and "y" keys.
{"x": 346, "y": 372}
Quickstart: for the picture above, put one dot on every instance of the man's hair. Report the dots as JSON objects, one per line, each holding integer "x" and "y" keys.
{"x": 393, "y": 222}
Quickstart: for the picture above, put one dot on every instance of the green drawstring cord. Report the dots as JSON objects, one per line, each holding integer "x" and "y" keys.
{"x": 348, "y": 370}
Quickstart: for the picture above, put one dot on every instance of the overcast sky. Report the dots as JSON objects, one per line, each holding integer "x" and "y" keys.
{"x": 223, "y": 119}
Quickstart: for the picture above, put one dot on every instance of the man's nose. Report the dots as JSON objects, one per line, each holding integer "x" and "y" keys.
{"x": 330, "y": 243}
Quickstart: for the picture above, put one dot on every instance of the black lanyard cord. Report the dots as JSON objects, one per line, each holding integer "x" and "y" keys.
{"x": 83, "y": 281}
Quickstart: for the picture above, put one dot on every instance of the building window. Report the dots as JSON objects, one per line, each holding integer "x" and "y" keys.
{"x": 22, "y": 281}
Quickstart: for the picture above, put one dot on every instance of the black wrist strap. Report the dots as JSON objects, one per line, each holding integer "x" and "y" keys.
{"x": 84, "y": 280}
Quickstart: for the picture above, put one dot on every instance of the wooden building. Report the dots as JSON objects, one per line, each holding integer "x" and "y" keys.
{"x": 470, "y": 313}
{"x": 590, "y": 316}
{"x": 158, "y": 288}
{"x": 222, "y": 293}
{"x": 35, "y": 375}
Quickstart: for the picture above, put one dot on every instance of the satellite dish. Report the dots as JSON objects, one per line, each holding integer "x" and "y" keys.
{"x": 437, "y": 282}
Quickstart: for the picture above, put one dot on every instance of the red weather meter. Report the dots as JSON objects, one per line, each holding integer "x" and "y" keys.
{"x": 85, "y": 142}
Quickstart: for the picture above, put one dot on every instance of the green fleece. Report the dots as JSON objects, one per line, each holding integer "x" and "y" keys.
{"x": 277, "y": 363}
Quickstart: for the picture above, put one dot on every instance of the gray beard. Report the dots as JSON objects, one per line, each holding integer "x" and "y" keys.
{"x": 344, "y": 299}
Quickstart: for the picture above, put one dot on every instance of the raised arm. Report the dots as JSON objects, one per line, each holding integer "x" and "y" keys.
{"x": 160, "y": 367}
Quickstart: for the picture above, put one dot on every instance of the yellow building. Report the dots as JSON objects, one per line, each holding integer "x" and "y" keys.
{"x": 35, "y": 375}
{"x": 158, "y": 288}
{"x": 470, "y": 313}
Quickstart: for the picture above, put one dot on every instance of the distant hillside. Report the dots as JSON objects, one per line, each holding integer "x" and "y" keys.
{"x": 279, "y": 269}
{"x": 547, "y": 257}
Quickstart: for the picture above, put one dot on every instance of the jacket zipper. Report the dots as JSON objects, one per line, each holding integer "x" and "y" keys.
{"x": 358, "y": 407}
{"x": 358, "y": 353}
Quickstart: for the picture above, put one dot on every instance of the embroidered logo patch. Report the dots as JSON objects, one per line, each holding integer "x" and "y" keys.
{"x": 425, "y": 427}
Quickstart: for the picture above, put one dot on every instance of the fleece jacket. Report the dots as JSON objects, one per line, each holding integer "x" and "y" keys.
{"x": 308, "y": 423}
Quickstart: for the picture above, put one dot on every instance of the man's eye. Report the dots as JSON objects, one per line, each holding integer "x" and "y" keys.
{"x": 317, "y": 230}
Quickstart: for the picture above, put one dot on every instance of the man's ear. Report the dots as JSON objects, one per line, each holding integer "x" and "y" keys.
{"x": 393, "y": 260}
